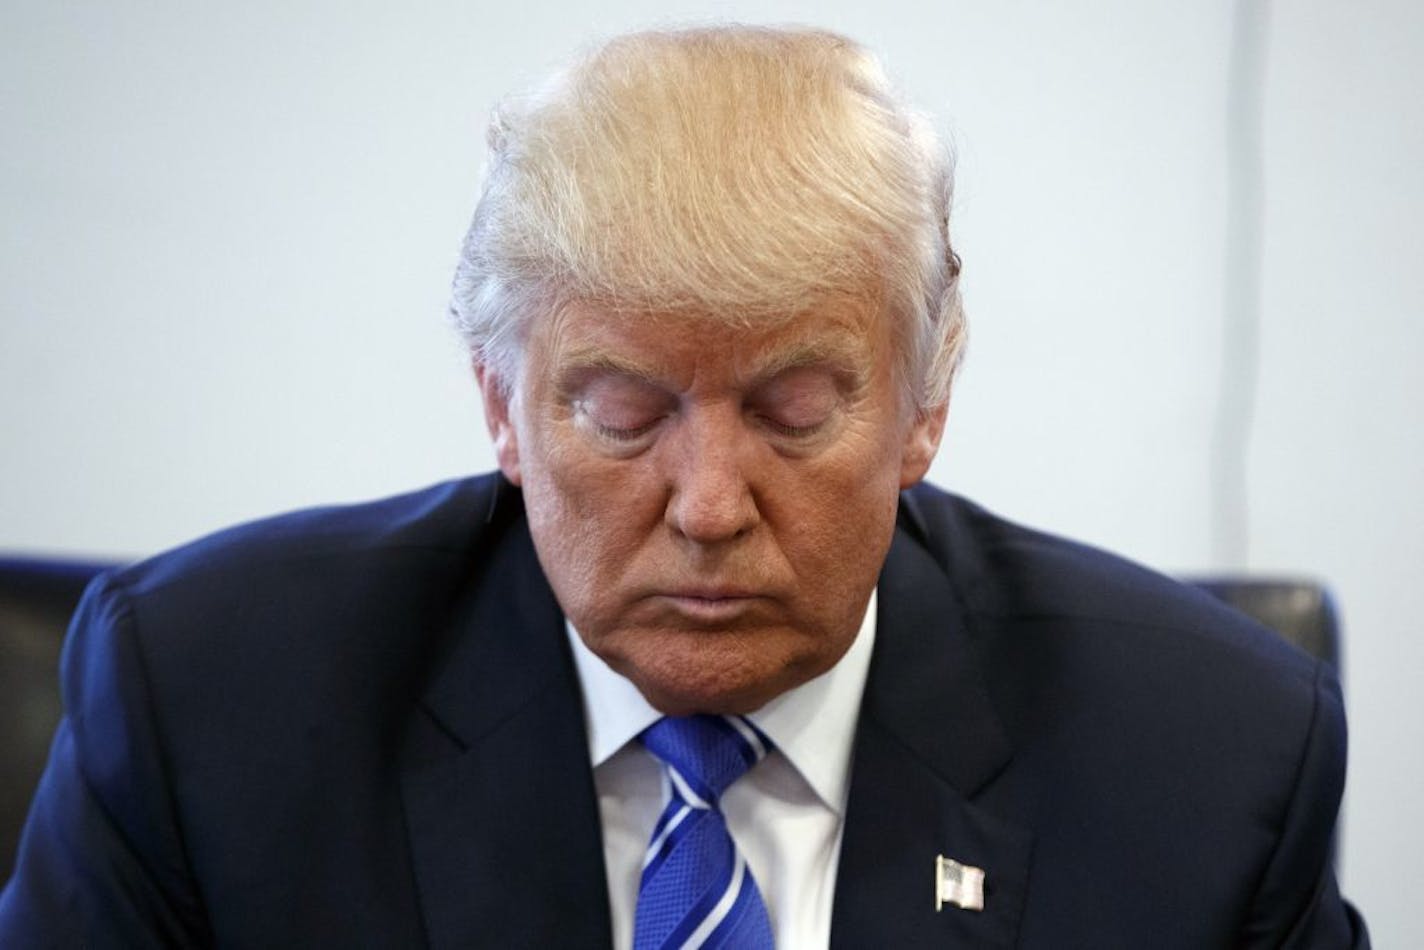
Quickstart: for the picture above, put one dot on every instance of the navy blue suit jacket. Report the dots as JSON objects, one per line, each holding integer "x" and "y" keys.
{"x": 362, "y": 727}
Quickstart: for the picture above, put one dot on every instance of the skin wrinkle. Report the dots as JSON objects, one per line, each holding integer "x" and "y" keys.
{"x": 755, "y": 369}
{"x": 710, "y": 497}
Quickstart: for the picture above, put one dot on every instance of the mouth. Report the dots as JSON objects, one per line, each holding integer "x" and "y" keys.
{"x": 709, "y": 606}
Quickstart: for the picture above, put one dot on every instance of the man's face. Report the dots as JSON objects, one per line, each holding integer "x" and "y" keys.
{"x": 711, "y": 504}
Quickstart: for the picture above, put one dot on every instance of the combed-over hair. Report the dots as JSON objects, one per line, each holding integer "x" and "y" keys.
{"x": 744, "y": 172}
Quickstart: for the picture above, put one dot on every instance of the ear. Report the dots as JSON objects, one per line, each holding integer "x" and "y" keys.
{"x": 498, "y": 418}
{"x": 922, "y": 444}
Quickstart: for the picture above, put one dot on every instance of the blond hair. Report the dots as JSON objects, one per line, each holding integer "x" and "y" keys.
{"x": 743, "y": 172}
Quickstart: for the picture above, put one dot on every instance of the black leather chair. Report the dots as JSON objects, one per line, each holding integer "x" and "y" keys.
{"x": 37, "y": 597}
{"x": 1302, "y": 611}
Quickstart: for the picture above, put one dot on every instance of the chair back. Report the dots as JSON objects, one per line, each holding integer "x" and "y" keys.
{"x": 1302, "y": 611}
{"x": 37, "y": 598}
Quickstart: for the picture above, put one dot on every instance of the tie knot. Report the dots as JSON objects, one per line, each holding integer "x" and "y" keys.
{"x": 707, "y": 753}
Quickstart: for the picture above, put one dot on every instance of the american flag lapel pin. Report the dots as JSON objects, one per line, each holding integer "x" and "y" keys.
{"x": 959, "y": 884}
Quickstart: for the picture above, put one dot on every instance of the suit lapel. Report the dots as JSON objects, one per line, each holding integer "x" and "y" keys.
{"x": 927, "y": 742}
{"x": 503, "y": 818}
{"x": 498, "y": 794}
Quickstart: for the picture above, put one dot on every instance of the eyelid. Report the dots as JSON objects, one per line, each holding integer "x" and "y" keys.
{"x": 799, "y": 403}
{"x": 622, "y": 435}
{"x": 790, "y": 431}
{"x": 584, "y": 407}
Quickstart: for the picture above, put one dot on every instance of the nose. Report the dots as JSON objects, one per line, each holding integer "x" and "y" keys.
{"x": 709, "y": 472}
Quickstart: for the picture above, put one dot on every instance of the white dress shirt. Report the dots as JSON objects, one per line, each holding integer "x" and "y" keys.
{"x": 785, "y": 815}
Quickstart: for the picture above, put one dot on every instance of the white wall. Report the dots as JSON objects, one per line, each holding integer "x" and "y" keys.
{"x": 1338, "y": 461}
{"x": 228, "y": 233}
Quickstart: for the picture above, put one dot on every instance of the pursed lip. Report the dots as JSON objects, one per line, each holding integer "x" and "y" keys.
{"x": 709, "y": 604}
{"x": 712, "y": 593}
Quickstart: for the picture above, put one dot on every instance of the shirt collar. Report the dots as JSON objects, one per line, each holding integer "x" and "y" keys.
{"x": 812, "y": 725}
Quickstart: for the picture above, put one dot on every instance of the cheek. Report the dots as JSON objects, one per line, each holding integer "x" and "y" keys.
{"x": 588, "y": 515}
{"x": 862, "y": 477}
{"x": 838, "y": 519}
{"x": 556, "y": 497}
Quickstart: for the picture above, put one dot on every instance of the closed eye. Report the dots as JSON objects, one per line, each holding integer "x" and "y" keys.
{"x": 797, "y": 403}
{"x": 619, "y": 408}
{"x": 791, "y": 431}
{"x": 624, "y": 434}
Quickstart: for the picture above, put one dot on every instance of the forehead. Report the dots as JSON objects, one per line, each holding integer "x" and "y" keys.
{"x": 847, "y": 333}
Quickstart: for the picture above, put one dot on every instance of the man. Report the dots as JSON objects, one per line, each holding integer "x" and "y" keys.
{"x": 702, "y": 665}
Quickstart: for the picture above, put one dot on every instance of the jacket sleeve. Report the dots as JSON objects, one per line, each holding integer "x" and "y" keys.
{"x": 1298, "y": 903}
{"x": 101, "y": 862}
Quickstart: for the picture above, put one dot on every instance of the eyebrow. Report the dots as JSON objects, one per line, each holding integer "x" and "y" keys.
{"x": 594, "y": 360}
{"x": 836, "y": 354}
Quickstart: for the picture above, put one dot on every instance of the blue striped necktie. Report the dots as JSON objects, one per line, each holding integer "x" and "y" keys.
{"x": 697, "y": 890}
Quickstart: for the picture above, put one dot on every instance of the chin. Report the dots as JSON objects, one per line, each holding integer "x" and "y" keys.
{"x": 716, "y": 674}
{"x": 676, "y": 700}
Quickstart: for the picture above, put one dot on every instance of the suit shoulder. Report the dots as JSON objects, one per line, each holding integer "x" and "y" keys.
{"x": 1018, "y": 575}
{"x": 323, "y": 617}
{"x": 442, "y": 519}
{"x": 1092, "y": 658}
{"x": 366, "y": 580}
